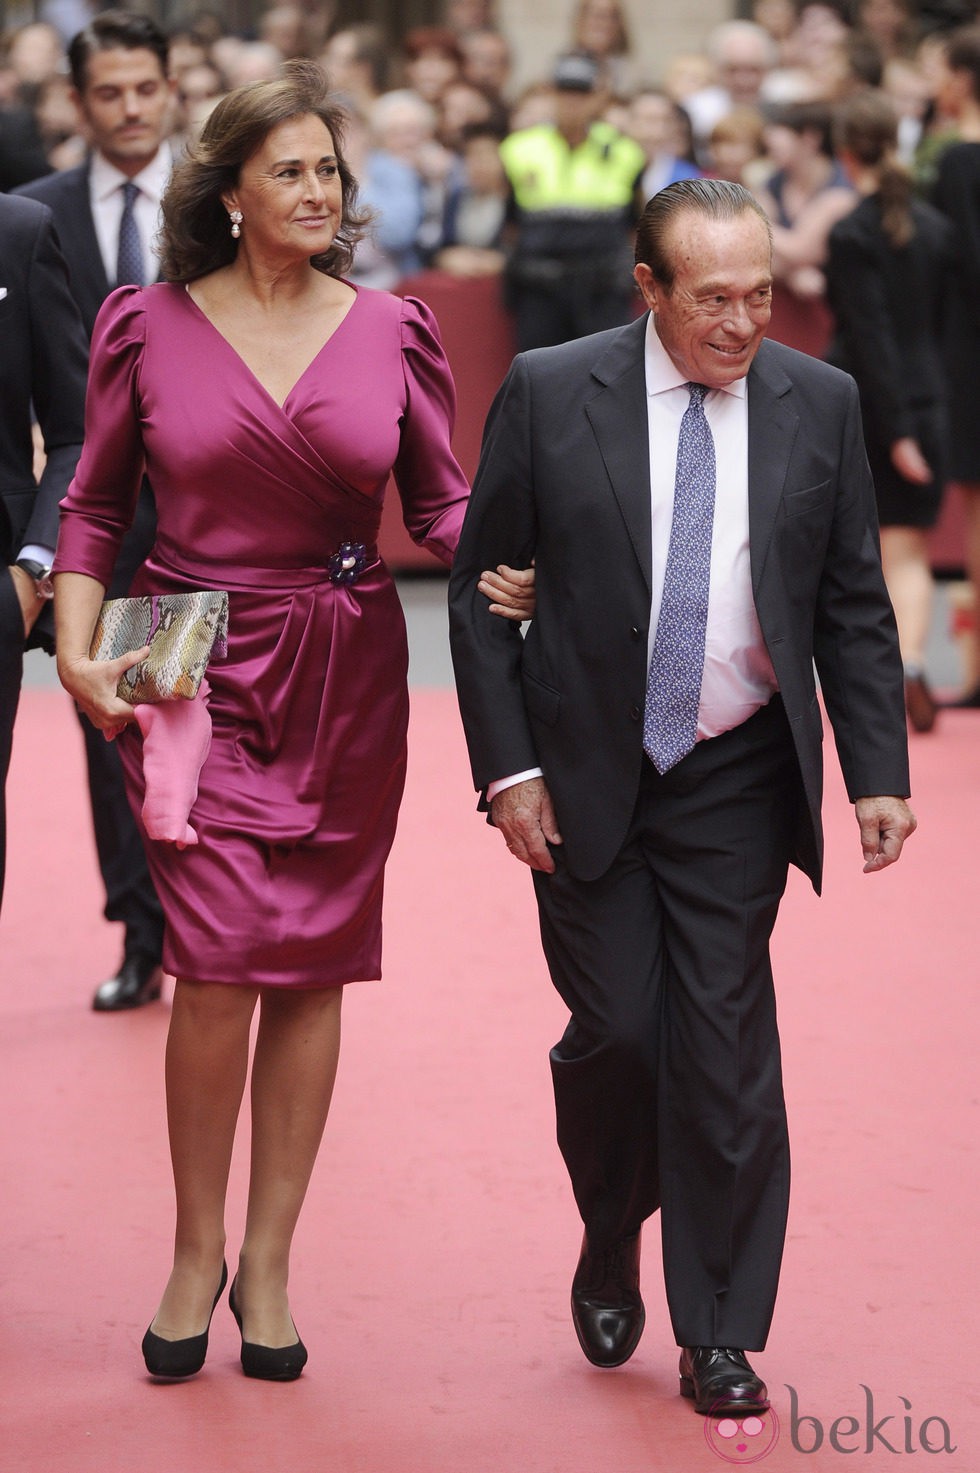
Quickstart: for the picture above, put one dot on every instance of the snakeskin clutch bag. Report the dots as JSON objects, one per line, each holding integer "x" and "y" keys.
{"x": 183, "y": 630}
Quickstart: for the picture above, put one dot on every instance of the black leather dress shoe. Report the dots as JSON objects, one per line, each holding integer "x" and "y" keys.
{"x": 721, "y": 1382}
{"x": 138, "y": 981}
{"x": 607, "y": 1310}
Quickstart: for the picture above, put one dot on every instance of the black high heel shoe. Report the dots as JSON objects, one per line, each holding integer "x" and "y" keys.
{"x": 268, "y": 1362}
{"x": 173, "y": 1360}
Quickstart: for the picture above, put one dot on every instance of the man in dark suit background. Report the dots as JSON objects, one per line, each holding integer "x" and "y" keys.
{"x": 106, "y": 214}
{"x": 43, "y": 363}
{"x": 701, "y": 514}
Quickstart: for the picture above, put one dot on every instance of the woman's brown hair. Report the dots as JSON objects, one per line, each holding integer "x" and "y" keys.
{"x": 196, "y": 238}
{"x": 866, "y": 126}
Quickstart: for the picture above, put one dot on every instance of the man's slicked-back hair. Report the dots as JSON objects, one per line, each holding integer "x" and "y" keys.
{"x": 113, "y": 30}
{"x": 716, "y": 199}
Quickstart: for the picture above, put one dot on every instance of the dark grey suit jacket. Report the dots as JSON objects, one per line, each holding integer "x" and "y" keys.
{"x": 67, "y": 196}
{"x": 43, "y": 363}
{"x": 564, "y": 479}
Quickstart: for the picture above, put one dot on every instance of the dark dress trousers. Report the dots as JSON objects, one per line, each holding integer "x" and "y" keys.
{"x": 657, "y": 920}
{"x": 42, "y": 364}
{"x": 130, "y": 896}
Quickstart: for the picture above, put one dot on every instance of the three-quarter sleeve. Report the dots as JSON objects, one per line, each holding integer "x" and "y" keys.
{"x": 432, "y": 487}
{"x": 101, "y": 499}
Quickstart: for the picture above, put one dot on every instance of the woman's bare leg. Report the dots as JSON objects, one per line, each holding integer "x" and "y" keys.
{"x": 207, "y": 1064}
{"x": 293, "y": 1074}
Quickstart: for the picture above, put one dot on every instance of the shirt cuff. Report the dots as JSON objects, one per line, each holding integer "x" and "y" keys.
{"x": 35, "y": 553}
{"x": 511, "y": 782}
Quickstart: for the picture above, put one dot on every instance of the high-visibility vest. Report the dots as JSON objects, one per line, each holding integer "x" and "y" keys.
{"x": 546, "y": 174}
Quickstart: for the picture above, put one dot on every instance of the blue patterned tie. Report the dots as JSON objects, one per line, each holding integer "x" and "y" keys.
{"x": 670, "y": 721}
{"x": 129, "y": 262}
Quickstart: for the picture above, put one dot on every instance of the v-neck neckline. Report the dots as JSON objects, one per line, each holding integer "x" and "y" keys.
{"x": 199, "y": 310}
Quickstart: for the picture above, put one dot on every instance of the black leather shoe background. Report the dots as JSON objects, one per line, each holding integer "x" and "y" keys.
{"x": 138, "y": 981}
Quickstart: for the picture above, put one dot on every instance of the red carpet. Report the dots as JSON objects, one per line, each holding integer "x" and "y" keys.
{"x": 432, "y": 1266}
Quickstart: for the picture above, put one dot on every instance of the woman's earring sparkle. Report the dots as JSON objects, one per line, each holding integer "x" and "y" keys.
{"x": 236, "y": 217}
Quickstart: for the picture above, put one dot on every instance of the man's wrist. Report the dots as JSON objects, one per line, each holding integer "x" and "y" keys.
{"x": 40, "y": 575}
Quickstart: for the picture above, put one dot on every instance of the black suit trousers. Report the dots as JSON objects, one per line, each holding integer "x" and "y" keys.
{"x": 667, "y": 1081}
{"x": 11, "y": 674}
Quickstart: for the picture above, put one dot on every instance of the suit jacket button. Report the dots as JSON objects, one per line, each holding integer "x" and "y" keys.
{"x": 635, "y": 713}
{"x": 634, "y": 633}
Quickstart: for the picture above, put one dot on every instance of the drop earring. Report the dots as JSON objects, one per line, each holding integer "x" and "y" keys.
{"x": 236, "y": 217}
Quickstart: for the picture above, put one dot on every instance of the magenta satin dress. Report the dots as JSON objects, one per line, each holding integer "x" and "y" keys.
{"x": 299, "y": 795}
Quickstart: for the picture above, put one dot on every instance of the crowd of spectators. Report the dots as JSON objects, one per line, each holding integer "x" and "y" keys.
{"x": 434, "y": 114}
{"x": 430, "y": 109}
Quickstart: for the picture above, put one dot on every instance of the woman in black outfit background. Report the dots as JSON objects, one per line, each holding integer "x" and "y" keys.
{"x": 887, "y": 264}
{"x": 957, "y": 195}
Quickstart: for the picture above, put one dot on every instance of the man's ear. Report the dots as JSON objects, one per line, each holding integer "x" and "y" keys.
{"x": 650, "y": 289}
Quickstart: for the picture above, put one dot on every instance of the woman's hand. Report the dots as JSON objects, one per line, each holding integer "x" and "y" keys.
{"x": 92, "y": 685}
{"x": 908, "y": 460}
{"x": 511, "y": 591}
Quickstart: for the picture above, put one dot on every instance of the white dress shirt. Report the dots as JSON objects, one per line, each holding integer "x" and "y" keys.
{"x": 738, "y": 676}
{"x": 106, "y": 198}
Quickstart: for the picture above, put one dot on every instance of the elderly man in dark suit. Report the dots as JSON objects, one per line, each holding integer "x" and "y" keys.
{"x": 43, "y": 364}
{"x": 106, "y": 212}
{"x": 701, "y": 515}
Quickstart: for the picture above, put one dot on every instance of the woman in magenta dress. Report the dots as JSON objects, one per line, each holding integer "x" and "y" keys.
{"x": 268, "y": 400}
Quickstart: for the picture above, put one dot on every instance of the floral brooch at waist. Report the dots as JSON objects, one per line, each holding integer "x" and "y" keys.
{"x": 347, "y": 563}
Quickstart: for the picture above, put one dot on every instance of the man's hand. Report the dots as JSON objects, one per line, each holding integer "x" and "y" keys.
{"x": 30, "y": 605}
{"x": 885, "y": 824}
{"x": 526, "y": 818}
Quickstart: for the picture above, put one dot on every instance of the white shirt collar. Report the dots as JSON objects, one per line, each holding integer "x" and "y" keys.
{"x": 104, "y": 178}
{"x": 662, "y": 372}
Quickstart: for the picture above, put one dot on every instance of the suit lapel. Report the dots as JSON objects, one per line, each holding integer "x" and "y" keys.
{"x": 618, "y": 415}
{"x": 773, "y": 425}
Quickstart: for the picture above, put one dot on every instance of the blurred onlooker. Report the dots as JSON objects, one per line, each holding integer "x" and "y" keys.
{"x": 403, "y": 125}
{"x": 778, "y": 17}
{"x": 285, "y": 27}
{"x": 890, "y": 25}
{"x": 736, "y": 148}
{"x": 36, "y": 52}
{"x": 462, "y": 104}
{"x": 805, "y": 195}
{"x": 356, "y": 61}
{"x": 432, "y": 58}
{"x": 600, "y": 28}
{"x": 468, "y": 15}
{"x": 957, "y": 194}
{"x": 23, "y": 155}
{"x": 476, "y": 208}
{"x": 817, "y": 53}
{"x": 663, "y": 131}
{"x": 57, "y": 122}
{"x": 246, "y": 61}
{"x": 534, "y": 106}
{"x": 686, "y": 74}
{"x": 391, "y": 188}
{"x": 887, "y": 269}
{"x": 743, "y": 55}
{"x": 573, "y": 184}
{"x": 905, "y": 86}
{"x": 487, "y": 61}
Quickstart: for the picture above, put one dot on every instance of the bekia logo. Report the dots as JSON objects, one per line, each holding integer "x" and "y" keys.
{"x": 742, "y": 1440}
{"x": 750, "y": 1439}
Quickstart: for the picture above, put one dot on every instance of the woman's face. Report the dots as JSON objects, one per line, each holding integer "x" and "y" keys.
{"x": 289, "y": 191}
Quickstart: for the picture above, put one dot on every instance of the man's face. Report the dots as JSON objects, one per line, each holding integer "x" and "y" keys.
{"x": 712, "y": 320}
{"x": 126, "y": 106}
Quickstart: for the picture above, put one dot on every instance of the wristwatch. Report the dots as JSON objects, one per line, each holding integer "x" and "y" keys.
{"x": 43, "y": 586}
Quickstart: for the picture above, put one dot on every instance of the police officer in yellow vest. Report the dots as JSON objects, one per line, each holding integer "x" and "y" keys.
{"x": 574, "y": 186}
